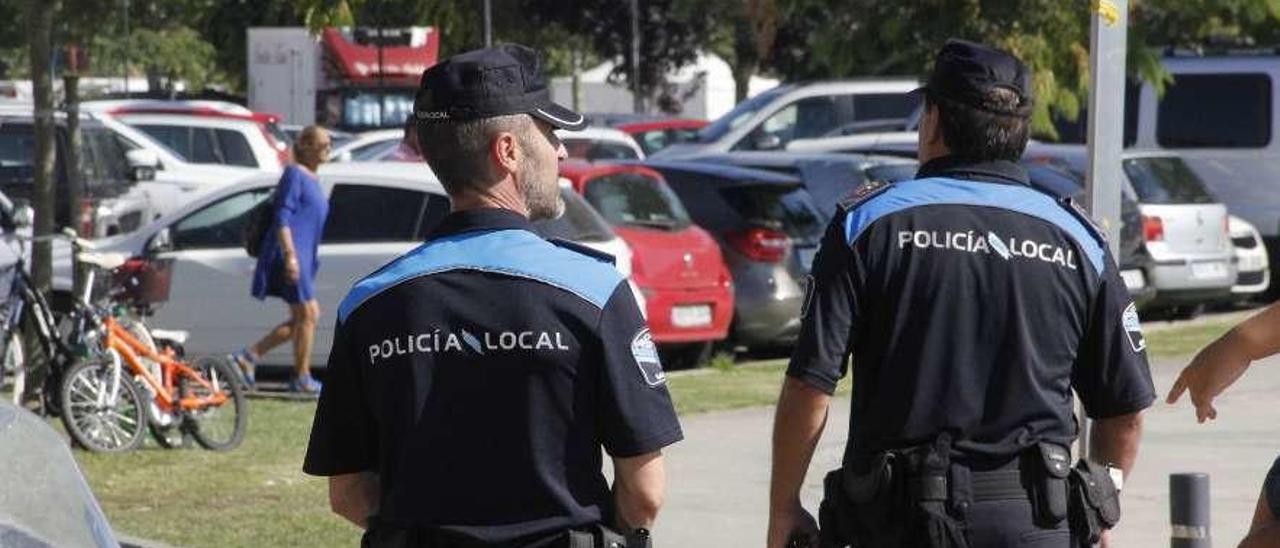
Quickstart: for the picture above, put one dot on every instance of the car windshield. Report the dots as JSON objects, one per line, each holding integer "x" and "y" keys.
{"x": 636, "y": 200}
{"x": 788, "y": 208}
{"x": 579, "y": 223}
{"x": 592, "y": 149}
{"x": 1166, "y": 180}
{"x": 739, "y": 114}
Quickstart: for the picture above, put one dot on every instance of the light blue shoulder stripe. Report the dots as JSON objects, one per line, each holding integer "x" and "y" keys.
{"x": 905, "y": 195}
{"x": 517, "y": 253}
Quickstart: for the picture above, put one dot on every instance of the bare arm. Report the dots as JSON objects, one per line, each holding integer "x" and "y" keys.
{"x": 639, "y": 485}
{"x": 1265, "y": 531}
{"x": 354, "y": 496}
{"x": 1223, "y": 361}
{"x": 1115, "y": 440}
{"x": 801, "y": 415}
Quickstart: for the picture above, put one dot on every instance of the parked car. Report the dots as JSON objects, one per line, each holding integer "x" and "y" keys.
{"x": 177, "y": 180}
{"x": 110, "y": 203}
{"x": 376, "y": 212}
{"x": 600, "y": 143}
{"x": 773, "y": 119}
{"x": 1221, "y": 115}
{"x": 676, "y": 264}
{"x": 205, "y": 132}
{"x": 1184, "y": 227}
{"x": 657, "y": 133}
{"x": 1253, "y": 268}
{"x": 47, "y": 501}
{"x": 768, "y": 229}
{"x": 581, "y": 224}
{"x": 368, "y": 146}
{"x": 829, "y": 178}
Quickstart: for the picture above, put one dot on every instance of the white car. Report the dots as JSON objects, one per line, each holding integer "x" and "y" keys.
{"x": 1253, "y": 271}
{"x": 205, "y": 132}
{"x": 368, "y": 146}
{"x": 376, "y": 212}
{"x": 600, "y": 143}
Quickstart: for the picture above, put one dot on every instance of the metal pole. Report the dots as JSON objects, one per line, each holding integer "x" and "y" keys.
{"x": 1107, "y": 41}
{"x": 382, "y": 84}
{"x": 1189, "y": 511}
{"x": 488, "y": 24}
{"x": 637, "y": 104}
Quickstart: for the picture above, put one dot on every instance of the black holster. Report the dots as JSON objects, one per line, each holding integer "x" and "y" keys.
{"x": 380, "y": 534}
{"x": 892, "y": 499}
{"x": 1094, "y": 502}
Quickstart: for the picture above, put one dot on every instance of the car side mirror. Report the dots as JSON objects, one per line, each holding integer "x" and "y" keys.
{"x": 344, "y": 156}
{"x": 23, "y": 216}
{"x": 766, "y": 141}
{"x": 160, "y": 242}
{"x": 142, "y": 164}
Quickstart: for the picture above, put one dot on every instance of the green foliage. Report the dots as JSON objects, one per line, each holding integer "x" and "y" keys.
{"x": 170, "y": 54}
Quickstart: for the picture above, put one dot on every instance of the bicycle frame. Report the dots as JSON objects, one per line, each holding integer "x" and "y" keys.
{"x": 131, "y": 350}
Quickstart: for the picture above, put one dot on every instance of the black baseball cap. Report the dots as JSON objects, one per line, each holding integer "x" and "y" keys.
{"x": 483, "y": 83}
{"x": 964, "y": 71}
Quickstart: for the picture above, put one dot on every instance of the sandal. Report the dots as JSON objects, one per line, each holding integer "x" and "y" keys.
{"x": 245, "y": 362}
{"x": 305, "y": 384}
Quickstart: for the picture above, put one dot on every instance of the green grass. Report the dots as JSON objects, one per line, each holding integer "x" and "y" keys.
{"x": 257, "y": 494}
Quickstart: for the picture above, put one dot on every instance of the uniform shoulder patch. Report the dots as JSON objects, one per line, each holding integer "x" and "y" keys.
{"x": 864, "y": 192}
{"x": 584, "y": 250}
{"x": 646, "y": 356}
{"x": 1133, "y": 328}
{"x": 1083, "y": 216}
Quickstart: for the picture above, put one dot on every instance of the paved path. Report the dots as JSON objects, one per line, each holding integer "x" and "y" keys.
{"x": 719, "y": 475}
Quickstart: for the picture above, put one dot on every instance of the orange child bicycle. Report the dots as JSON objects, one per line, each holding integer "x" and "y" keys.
{"x": 204, "y": 399}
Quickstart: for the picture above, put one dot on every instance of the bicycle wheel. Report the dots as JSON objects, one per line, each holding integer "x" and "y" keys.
{"x": 221, "y": 427}
{"x": 102, "y": 407}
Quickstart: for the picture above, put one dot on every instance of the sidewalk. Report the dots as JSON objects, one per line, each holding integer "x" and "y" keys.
{"x": 719, "y": 476}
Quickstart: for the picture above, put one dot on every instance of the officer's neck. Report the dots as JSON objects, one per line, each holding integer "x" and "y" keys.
{"x": 499, "y": 196}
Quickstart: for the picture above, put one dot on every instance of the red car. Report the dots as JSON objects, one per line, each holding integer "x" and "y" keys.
{"x": 676, "y": 264}
{"x": 655, "y": 135}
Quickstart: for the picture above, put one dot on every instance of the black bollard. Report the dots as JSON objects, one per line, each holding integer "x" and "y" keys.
{"x": 1189, "y": 510}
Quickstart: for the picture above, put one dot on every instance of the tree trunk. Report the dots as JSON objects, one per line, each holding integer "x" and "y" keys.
{"x": 742, "y": 74}
{"x": 39, "y": 22}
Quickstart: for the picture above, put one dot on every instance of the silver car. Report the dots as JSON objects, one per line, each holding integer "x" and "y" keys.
{"x": 1187, "y": 234}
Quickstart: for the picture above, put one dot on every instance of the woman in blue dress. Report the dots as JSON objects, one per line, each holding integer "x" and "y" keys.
{"x": 287, "y": 261}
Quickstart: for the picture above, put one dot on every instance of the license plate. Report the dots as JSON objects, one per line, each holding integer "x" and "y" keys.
{"x": 1214, "y": 269}
{"x": 691, "y": 316}
{"x": 805, "y": 255}
{"x": 1133, "y": 279}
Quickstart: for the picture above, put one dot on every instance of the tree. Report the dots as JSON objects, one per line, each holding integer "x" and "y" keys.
{"x": 39, "y": 26}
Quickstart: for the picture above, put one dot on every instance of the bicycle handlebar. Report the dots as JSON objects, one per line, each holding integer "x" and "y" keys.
{"x": 66, "y": 234}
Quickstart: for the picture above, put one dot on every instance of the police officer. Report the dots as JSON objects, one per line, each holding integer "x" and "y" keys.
{"x": 972, "y": 305}
{"x": 473, "y": 380}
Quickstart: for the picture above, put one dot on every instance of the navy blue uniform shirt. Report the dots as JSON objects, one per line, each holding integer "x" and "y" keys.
{"x": 971, "y": 303}
{"x": 479, "y": 375}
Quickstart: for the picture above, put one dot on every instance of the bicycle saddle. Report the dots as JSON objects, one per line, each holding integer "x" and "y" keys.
{"x": 106, "y": 261}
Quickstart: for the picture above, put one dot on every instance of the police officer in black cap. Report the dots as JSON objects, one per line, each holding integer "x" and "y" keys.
{"x": 474, "y": 380}
{"x": 972, "y": 306}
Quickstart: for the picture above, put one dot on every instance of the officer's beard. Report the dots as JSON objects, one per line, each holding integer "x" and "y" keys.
{"x": 541, "y": 190}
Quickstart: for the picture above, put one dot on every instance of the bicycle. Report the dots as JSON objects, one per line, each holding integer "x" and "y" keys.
{"x": 43, "y": 348}
{"x": 203, "y": 399}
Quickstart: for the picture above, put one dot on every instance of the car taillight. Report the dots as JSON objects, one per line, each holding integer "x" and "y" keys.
{"x": 1226, "y": 226}
{"x": 1152, "y": 228}
{"x": 86, "y": 218}
{"x": 760, "y": 244}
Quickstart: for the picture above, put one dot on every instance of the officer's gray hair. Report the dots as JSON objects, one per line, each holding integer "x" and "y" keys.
{"x": 458, "y": 152}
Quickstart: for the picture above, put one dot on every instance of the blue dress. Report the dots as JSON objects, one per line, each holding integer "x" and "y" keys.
{"x": 299, "y": 204}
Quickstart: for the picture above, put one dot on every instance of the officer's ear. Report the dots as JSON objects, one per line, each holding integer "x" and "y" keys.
{"x": 505, "y": 152}
{"x": 931, "y": 144}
